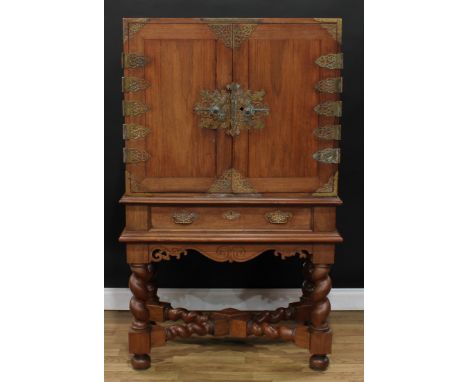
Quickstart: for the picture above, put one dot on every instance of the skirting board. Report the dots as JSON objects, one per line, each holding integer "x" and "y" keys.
{"x": 242, "y": 299}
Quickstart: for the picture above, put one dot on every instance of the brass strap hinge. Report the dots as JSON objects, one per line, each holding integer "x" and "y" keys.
{"x": 134, "y": 84}
{"x": 134, "y": 108}
{"x": 135, "y": 155}
{"x": 329, "y": 109}
{"x": 328, "y": 132}
{"x": 329, "y": 155}
{"x": 330, "y": 85}
{"x": 133, "y": 61}
{"x": 134, "y": 131}
{"x": 330, "y": 61}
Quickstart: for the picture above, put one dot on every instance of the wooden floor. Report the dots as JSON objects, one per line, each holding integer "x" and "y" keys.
{"x": 218, "y": 359}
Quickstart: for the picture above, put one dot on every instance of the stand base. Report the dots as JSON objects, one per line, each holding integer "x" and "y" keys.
{"x": 141, "y": 361}
{"x": 319, "y": 362}
{"x": 227, "y": 322}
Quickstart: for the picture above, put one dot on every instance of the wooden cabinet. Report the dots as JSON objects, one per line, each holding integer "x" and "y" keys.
{"x": 232, "y": 130}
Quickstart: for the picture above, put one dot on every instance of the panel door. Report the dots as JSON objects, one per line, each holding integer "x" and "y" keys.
{"x": 166, "y": 65}
{"x": 280, "y": 58}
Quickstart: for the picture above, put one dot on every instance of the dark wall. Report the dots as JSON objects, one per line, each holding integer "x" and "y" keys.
{"x": 265, "y": 271}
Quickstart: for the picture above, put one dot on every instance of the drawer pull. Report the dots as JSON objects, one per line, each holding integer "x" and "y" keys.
{"x": 231, "y": 215}
{"x": 278, "y": 217}
{"x": 184, "y": 217}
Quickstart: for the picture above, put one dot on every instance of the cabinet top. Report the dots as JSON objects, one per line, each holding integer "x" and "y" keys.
{"x": 234, "y": 20}
{"x": 226, "y": 200}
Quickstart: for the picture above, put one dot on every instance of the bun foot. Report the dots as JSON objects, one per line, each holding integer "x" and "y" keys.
{"x": 141, "y": 361}
{"x": 319, "y": 362}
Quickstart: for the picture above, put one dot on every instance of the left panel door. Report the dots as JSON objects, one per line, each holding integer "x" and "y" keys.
{"x": 166, "y": 65}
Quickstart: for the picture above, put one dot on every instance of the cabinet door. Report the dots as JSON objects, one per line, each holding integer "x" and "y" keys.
{"x": 167, "y": 64}
{"x": 279, "y": 57}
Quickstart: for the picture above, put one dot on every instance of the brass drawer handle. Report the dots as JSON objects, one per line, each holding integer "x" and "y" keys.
{"x": 184, "y": 217}
{"x": 231, "y": 215}
{"x": 278, "y": 217}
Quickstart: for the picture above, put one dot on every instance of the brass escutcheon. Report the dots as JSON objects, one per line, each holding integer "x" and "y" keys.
{"x": 231, "y": 109}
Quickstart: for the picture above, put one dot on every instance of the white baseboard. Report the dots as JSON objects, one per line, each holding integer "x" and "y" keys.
{"x": 242, "y": 299}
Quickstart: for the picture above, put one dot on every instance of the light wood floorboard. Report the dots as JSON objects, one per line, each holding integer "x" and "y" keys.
{"x": 211, "y": 359}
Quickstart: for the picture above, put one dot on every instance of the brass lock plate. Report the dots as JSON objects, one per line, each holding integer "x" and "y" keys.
{"x": 231, "y": 109}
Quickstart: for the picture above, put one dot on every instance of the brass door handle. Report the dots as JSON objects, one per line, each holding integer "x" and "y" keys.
{"x": 278, "y": 217}
{"x": 231, "y": 109}
{"x": 184, "y": 217}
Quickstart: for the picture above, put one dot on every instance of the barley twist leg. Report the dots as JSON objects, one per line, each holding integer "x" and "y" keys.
{"x": 320, "y": 311}
{"x": 139, "y": 334}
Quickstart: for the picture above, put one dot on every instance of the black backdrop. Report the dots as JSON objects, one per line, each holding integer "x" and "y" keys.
{"x": 265, "y": 271}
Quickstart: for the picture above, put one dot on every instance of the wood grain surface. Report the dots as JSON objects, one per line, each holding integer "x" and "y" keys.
{"x": 178, "y": 156}
{"x": 226, "y": 359}
{"x": 184, "y": 58}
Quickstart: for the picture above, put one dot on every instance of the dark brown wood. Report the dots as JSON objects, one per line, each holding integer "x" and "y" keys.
{"x": 230, "y": 219}
{"x": 320, "y": 342}
{"x": 302, "y": 336}
{"x": 141, "y": 361}
{"x": 228, "y": 236}
{"x": 186, "y": 330}
{"x": 319, "y": 362}
{"x": 156, "y": 312}
{"x": 222, "y": 252}
{"x": 182, "y": 61}
{"x": 231, "y": 200}
{"x": 231, "y": 313}
{"x": 323, "y": 254}
{"x": 138, "y": 284}
{"x": 221, "y": 327}
{"x": 280, "y": 314}
{"x": 152, "y": 286}
{"x": 277, "y": 58}
{"x": 238, "y": 328}
{"x": 321, "y": 335}
{"x": 324, "y": 219}
{"x": 228, "y": 20}
{"x": 273, "y": 332}
{"x": 304, "y": 306}
{"x": 158, "y": 336}
{"x": 275, "y": 196}
{"x": 137, "y": 253}
{"x": 321, "y": 286}
{"x": 136, "y": 217}
{"x": 139, "y": 336}
{"x": 172, "y": 314}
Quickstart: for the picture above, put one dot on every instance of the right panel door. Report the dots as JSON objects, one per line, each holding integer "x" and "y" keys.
{"x": 280, "y": 58}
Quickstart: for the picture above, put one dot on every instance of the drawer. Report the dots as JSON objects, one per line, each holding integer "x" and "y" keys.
{"x": 231, "y": 218}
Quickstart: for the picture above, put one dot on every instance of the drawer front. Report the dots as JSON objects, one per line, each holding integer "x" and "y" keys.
{"x": 231, "y": 218}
